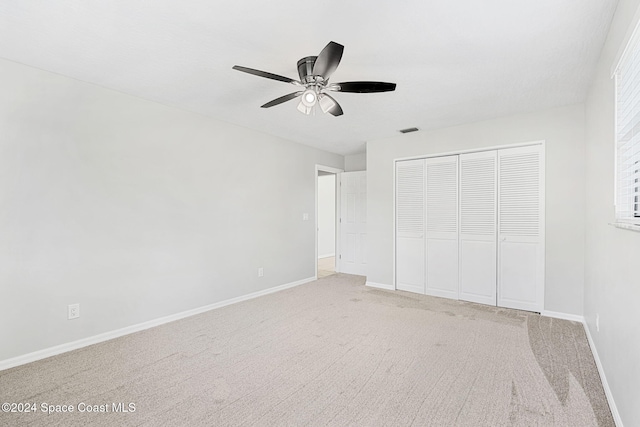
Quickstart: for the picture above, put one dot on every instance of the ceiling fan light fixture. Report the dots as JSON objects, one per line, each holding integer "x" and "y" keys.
{"x": 309, "y": 98}
{"x": 326, "y": 103}
{"x": 303, "y": 108}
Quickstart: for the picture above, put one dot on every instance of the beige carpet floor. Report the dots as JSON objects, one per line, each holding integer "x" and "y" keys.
{"x": 326, "y": 266}
{"x": 331, "y": 352}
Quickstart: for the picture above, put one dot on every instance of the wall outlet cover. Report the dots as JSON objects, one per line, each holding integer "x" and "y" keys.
{"x": 73, "y": 311}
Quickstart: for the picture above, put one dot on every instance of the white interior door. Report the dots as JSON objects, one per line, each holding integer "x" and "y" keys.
{"x": 478, "y": 200}
{"x": 442, "y": 226}
{"x": 520, "y": 228}
{"x": 353, "y": 223}
{"x": 410, "y": 219}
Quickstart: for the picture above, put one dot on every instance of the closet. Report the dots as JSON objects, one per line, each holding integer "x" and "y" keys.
{"x": 470, "y": 226}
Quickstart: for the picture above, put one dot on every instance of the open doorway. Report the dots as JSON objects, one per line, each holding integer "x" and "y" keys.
{"x": 326, "y": 224}
{"x": 326, "y": 221}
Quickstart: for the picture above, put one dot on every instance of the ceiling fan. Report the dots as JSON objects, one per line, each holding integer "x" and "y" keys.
{"x": 314, "y": 72}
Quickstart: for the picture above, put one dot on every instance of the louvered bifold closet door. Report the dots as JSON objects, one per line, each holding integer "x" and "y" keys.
{"x": 521, "y": 228}
{"x": 442, "y": 226}
{"x": 478, "y": 227}
{"x": 410, "y": 237}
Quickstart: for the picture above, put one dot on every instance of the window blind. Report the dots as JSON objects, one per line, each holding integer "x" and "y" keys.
{"x": 627, "y": 78}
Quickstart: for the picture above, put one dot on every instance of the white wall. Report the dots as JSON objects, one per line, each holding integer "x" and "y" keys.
{"x": 563, "y": 130}
{"x": 136, "y": 210}
{"x": 355, "y": 162}
{"x": 612, "y": 278}
{"x": 326, "y": 216}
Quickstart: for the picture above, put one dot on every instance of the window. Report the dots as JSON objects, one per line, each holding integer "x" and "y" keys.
{"x": 627, "y": 81}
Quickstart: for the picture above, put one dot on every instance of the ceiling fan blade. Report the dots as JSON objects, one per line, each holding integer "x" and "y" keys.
{"x": 362, "y": 87}
{"x": 282, "y": 99}
{"x": 265, "y": 74}
{"x": 334, "y": 108}
{"x": 328, "y": 60}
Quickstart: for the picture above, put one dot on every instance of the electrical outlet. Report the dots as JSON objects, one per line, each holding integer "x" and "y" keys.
{"x": 260, "y": 271}
{"x": 597, "y": 322}
{"x": 74, "y": 311}
{"x": 305, "y": 217}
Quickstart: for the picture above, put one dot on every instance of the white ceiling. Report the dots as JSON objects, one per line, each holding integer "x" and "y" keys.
{"x": 453, "y": 62}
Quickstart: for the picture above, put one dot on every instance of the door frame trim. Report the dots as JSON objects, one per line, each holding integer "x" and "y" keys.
{"x": 337, "y": 173}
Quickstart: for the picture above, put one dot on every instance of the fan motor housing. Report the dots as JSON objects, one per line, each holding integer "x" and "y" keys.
{"x": 305, "y": 69}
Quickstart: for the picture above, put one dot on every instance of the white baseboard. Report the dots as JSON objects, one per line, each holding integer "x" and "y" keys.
{"x": 564, "y": 316}
{"x": 326, "y": 256}
{"x": 603, "y": 378}
{"x": 380, "y": 286}
{"x": 74, "y": 345}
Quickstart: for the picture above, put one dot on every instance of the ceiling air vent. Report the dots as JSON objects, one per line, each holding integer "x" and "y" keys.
{"x": 408, "y": 130}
